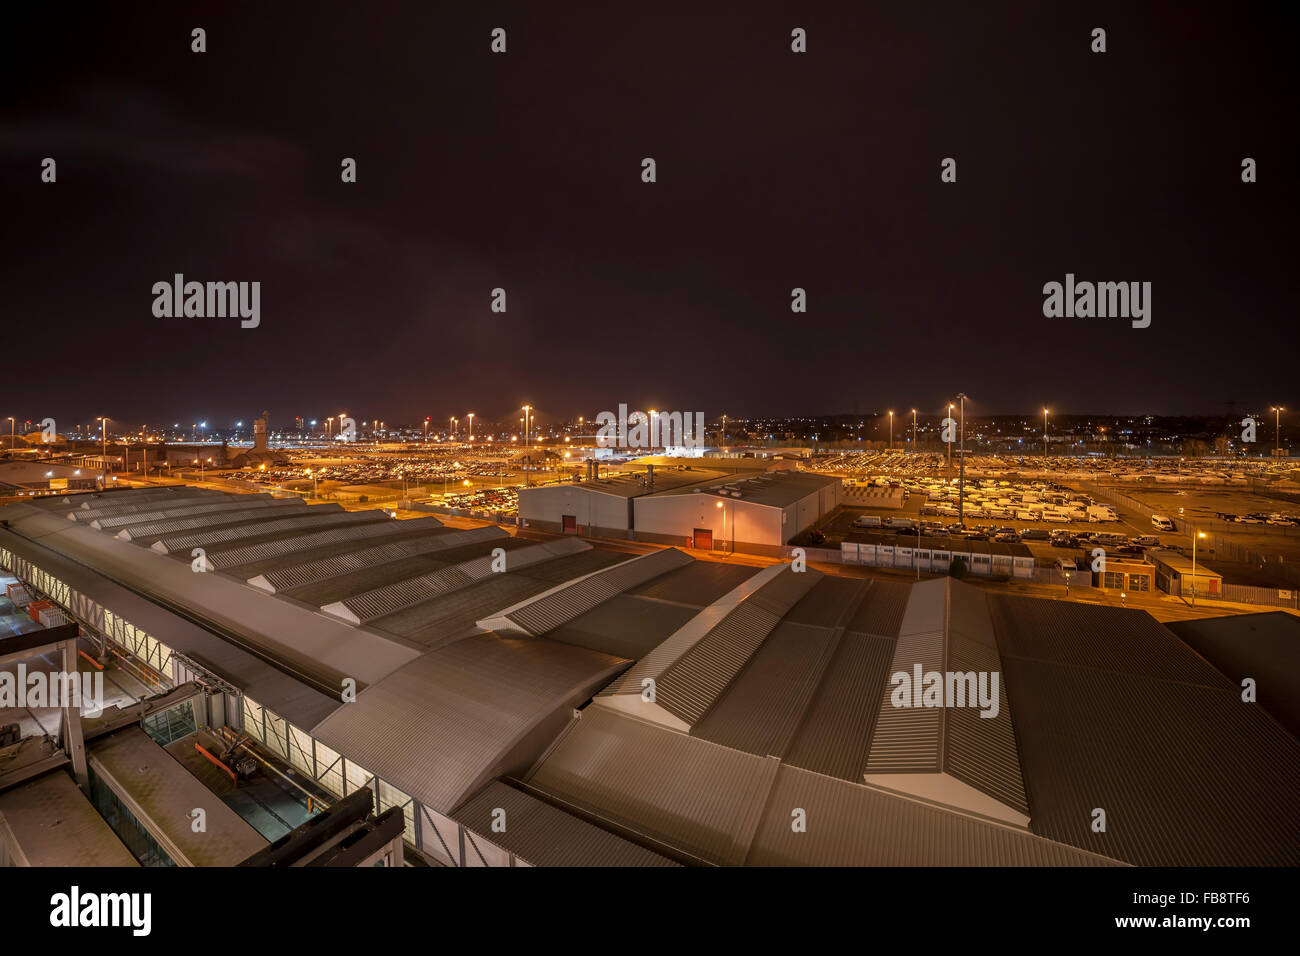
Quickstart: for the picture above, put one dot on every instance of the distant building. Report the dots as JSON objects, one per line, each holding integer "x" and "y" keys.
{"x": 706, "y": 508}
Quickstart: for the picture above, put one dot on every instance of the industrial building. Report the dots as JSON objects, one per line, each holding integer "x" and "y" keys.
{"x": 751, "y": 510}
{"x": 513, "y": 702}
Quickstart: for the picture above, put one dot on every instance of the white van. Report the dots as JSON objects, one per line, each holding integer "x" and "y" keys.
{"x": 1162, "y": 523}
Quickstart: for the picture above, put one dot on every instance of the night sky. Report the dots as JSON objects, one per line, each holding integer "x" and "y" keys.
{"x": 523, "y": 171}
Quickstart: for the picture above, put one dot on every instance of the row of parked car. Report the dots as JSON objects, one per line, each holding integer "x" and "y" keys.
{"x": 1060, "y": 538}
{"x": 1261, "y": 517}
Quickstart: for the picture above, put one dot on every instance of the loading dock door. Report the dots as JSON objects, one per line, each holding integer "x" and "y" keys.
{"x": 570, "y": 524}
{"x": 704, "y": 539}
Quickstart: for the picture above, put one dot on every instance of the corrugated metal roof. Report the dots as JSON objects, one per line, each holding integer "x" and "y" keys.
{"x": 192, "y": 510}
{"x": 298, "y": 702}
{"x": 852, "y": 825}
{"x": 146, "y": 532}
{"x": 1187, "y": 775}
{"x": 683, "y": 791}
{"x": 835, "y": 736}
{"x": 247, "y": 562}
{"x": 947, "y": 630}
{"x": 562, "y": 604}
{"x": 470, "y": 705}
{"x": 692, "y": 683}
{"x": 699, "y": 583}
{"x": 319, "y": 516}
{"x": 128, "y": 501}
{"x": 1090, "y": 635}
{"x": 829, "y": 602}
{"x": 624, "y": 626}
{"x": 881, "y": 611}
{"x": 229, "y": 558}
{"x": 910, "y": 739}
{"x": 543, "y": 835}
{"x": 392, "y": 597}
{"x": 1264, "y": 647}
{"x": 761, "y": 709}
{"x": 774, "y": 489}
{"x": 310, "y": 572}
{"x": 981, "y": 751}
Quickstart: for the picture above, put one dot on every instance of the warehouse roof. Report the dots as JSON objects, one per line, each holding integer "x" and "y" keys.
{"x": 1114, "y": 712}
{"x": 1264, "y": 647}
{"x": 258, "y": 675}
{"x": 725, "y": 807}
{"x": 156, "y": 787}
{"x": 544, "y": 835}
{"x": 321, "y": 648}
{"x": 51, "y": 823}
{"x": 774, "y": 489}
{"x": 634, "y": 484}
{"x": 961, "y": 754}
{"x": 479, "y": 707}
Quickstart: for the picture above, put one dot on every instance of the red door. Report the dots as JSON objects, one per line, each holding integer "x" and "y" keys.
{"x": 570, "y": 524}
{"x": 704, "y": 539}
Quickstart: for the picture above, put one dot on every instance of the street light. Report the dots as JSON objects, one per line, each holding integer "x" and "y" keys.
{"x": 961, "y": 479}
{"x": 1195, "y": 534}
{"x": 950, "y": 407}
{"x": 1277, "y": 411}
{"x": 914, "y": 429}
{"x": 1044, "y": 433}
{"x": 104, "y": 436}
{"x": 471, "y": 428}
{"x": 891, "y": 429}
{"x": 11, "y": 433}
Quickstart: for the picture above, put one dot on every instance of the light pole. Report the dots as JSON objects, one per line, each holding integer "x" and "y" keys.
{"x": 471, "y": 428}
{"x": 1195, "y": 534}
{"x": 914, "y": 430}
{"x": 426, "y": 429}
{"x": 950, "y": 436}
{"x": 652, "y": 429}
{"x": 1277, "y": 411}
{"x": 528, "y": 415}
{"x": 1045, "y": 433}
{"x": 961, "y": 465}
{"x": 104, "y": 436}
{"x": 329, "y": 426}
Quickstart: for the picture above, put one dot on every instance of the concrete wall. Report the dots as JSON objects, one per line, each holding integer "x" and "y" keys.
{"x": 597, "y": 513}
{"x": 673, "y": 518}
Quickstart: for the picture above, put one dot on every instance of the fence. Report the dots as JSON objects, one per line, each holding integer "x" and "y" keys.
{"x": 1247, "y": 594}
{"x": 936, "y": 561}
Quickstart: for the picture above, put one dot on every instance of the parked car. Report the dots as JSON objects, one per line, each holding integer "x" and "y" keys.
{"x": 1034, "y": 534}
